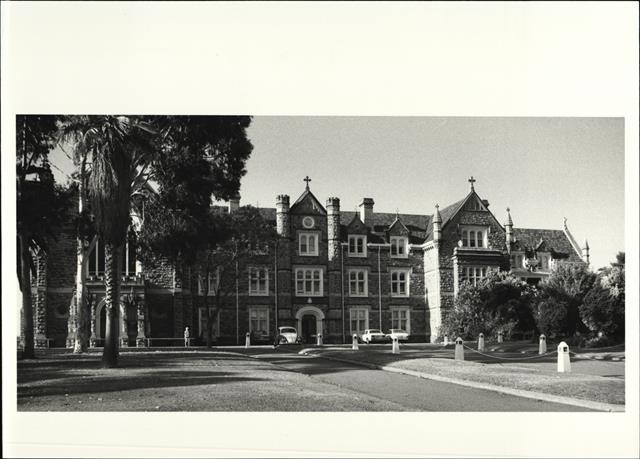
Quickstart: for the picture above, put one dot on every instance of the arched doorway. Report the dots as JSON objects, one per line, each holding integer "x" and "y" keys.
{"x": 310, "y": 323}
{"x": 123, "y": 323}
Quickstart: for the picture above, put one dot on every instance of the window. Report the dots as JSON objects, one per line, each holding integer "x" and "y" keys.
{"x": 400, "y": 318}
{"x": 359, "y": 320}
{"x": 473, "y": 274}
{"x": 308, "y": 282}
{"x": 308, "y": 244}
{"x": 399, "y": 283}
{"x": 517, "y": 261}
{"x": 258, "y": 281}
{"x": 128, "y": 259}
{"x": 474, "y": 237}
{"x": 358, "y": 282}
{"x": 544, "y": 261}
{"x": 202, "y": 324}
{"x": 398, "y": 247}
{"x": 259, "y": 321}
{"x": 357, "y": 246}
{"x": 213, "y": 283}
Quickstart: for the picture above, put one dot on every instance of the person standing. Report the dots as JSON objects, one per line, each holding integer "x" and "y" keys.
{"x": 186, "y": 337}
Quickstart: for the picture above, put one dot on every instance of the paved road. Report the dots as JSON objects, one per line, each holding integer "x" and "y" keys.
{"x": 408, "y": 391}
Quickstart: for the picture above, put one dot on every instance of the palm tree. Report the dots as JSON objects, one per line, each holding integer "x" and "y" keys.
{"x": 118, "y": 147}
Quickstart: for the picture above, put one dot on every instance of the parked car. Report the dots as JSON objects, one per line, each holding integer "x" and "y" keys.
{"x": 288, "y": 335}
{"x": 374, "y": 336}
{"x": 398, "y": 333}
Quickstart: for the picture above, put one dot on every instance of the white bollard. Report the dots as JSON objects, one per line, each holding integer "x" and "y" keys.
{"x": 247, "y": 341}
{"x": 446, "y": 340}
{"x": 459, "y": 352}
{"x": 354, "y": 343}
{"x": 481, "y": 342}
{"x": 395, "y": 346}
{"x": 542, "y": 346}
{"x": 319, "y": 339}
{"x": 500, "y": 337}
{"x": 564, "y": 363}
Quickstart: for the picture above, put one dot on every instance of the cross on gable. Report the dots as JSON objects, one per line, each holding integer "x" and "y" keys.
{"x": 306, "y": 179}
{"x": 472, "y": 181}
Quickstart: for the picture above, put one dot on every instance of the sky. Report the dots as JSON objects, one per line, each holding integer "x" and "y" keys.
{"x": 543, "y": 169}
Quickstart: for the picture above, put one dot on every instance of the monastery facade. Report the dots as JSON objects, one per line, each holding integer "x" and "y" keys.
{"x": 332, "y": 272}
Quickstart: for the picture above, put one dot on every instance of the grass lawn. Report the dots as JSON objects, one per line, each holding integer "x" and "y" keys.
{"x": 177, "y": 381}
{"x": 600, "y": 381}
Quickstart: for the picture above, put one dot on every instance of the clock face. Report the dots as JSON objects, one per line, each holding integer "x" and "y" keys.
{"x": 308, "y": 222}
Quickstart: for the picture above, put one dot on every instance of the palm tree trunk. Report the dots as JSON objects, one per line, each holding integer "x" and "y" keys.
{"x": 111, "y": 303}
{"x": 27, "y": 305}
{"x": 82, "y": 315}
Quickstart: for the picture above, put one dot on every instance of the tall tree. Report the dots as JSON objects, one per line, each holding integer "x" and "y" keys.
{"x": 120, "y": 149}
{"x": 74, "y": 131}
{"x": 200, "y": 158}
{"x": 40, "y": 204}
{"x": 234, "y": 238}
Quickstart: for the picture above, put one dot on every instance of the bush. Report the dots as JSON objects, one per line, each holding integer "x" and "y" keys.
{"x": 558, "y": 300}
{"x": 500, "y": 302}
{"x": 602, "y": 312}
{"x": 551, "y": 316}
{"x": 469, "y": 317}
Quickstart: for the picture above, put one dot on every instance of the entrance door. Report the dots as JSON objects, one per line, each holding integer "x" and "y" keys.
{"x": 308, "y": 328}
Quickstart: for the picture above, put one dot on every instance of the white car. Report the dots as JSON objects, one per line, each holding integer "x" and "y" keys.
{"x": 373, "y": 335}
{"x": 398, "y": 333}
{"x": 288, "y": 335}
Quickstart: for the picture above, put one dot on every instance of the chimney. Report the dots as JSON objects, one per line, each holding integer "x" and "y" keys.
{"x": 282, "y": 215}
{"x": 234, "y": 203}
{"x": 333, "y": 228}
{"x": 366, "y": 211}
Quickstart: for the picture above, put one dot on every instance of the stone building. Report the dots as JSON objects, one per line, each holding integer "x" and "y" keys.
{"x": 333, "y": 272}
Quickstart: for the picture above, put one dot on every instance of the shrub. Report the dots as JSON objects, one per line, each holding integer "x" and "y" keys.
{"x": 500, "y": 302}
{"x": 551, "y": 315}
{"x": 469, "y": 317}
{"x": 558, "y": 300}
{"x": 603, "y": 312}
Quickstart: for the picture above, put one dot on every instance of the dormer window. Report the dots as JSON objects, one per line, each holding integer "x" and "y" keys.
{"x": 399, "y": 246}
{"x": 357, "y": 246}
{"x": 517, "y": 260}
{"x": 544, "y": 260}
{"x": 308, "y": 244}
{"x": 474, "y": 237}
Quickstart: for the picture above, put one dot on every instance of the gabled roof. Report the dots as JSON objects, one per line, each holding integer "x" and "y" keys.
{"x": 356, "y": 226}
{"x": 417, "y": 225}
{"x": 397, "y": 227}
{"x": 545, "y": 240}
{"x": 306, "y": 203}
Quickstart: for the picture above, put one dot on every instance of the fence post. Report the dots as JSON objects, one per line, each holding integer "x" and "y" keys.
{"x": 459, "y": 352}
{"x": 446, "y": 340}
{"x": 500, "y": 337}
{"x": 481, "y": 342}
{"x": 354, "y": 343}
{"x": 395, "y": 346}
{"x": 319, "y": 339}
{"x": 542, "y": 346}
{"x": 564, "y": 363}
{"x": 247, "y": 341}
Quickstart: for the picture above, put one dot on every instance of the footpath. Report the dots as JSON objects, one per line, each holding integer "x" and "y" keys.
{"x": 596, "y": 379}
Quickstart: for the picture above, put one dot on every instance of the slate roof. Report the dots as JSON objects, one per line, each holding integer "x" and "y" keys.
{"x": 555, "y": 241}
{"x": 420, "y": 227}
{"x": 416, "y": 224}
